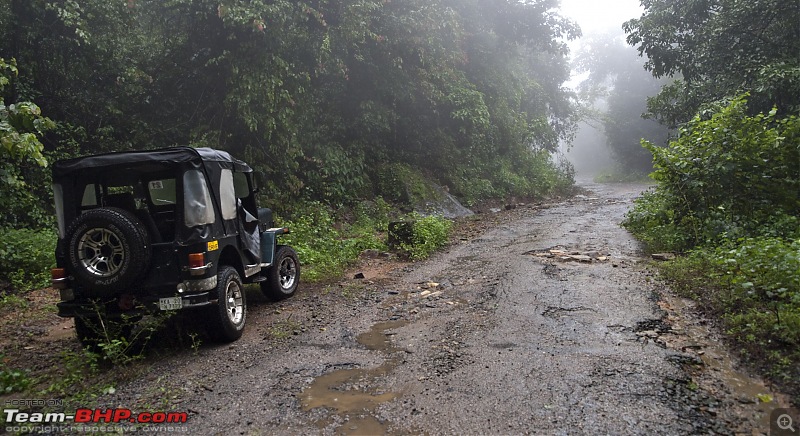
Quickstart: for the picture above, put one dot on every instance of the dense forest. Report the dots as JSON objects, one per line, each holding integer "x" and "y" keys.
{"x": 329, "y": 100}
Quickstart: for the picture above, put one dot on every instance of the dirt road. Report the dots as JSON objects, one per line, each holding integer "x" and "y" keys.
{"x": 544, "y": 321}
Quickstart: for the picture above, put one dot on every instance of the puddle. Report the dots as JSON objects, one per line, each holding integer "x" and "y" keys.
{"x": 355, "y": 394}
{"x": 748, "y": 391}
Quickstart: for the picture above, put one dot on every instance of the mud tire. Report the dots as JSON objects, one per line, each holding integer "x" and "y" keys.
{"x": 230, "y": 312}
{"x": 107, "y": 249}
{"x": 283, "y": 276}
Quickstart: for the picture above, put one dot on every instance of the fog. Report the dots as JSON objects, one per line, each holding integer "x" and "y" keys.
{"x": 589, "y": 153}
{"x": 598, "y": 19}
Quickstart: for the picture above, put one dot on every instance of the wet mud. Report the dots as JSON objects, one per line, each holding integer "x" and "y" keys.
{"x": 355, "y": 393}
{"x": 543, "y": 319}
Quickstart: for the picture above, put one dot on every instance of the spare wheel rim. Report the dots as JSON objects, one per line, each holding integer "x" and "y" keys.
{"x": 101, "y": 252}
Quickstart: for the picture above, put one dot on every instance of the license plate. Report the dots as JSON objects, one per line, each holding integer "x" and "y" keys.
{"x": 172, "y": 303}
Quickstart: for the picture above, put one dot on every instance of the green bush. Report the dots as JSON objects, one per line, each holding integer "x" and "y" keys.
{"x": 763, "y": 278}
{"x": 766, "y": 269}
{"x": 728, "y": 194}
{"x": 724, "y": 177}
{"x": 13, "y": 380}
{"x": 753, "y": 284}
{"x": 26, "y": 257}
{"x": 429, "y": 233}
{"x": 325, "y": 248}
{"x": 653, "y": 220}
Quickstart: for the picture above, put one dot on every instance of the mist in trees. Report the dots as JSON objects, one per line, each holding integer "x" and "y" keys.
{"x": 715, "y": 50}
{"x": 324, "y": 98}
{"x": 614, "y": 94}
{"x": 588, "y": 151}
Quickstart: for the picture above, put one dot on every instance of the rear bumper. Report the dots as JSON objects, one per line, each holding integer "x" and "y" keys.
{"x": 90, "y": 308}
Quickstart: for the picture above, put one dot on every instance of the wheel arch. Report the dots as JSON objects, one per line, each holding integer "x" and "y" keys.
{"x": 230, "y": 257}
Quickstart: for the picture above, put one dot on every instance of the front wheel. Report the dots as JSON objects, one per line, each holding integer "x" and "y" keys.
{"x": 283, "y": 276}
{"x": 231, "y": 310}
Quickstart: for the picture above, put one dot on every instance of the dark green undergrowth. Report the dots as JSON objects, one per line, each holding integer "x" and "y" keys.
{"x": 26, "y": 257}
{"x": 328, "y": 241}
{"x": 727, "y": 197}
{"x": 752, "y": 287}
{"x": 429, "y": 233}
{"x": 327, "y": 246}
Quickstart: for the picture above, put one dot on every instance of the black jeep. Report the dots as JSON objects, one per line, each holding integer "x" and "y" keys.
{"x": 164, "y": 230}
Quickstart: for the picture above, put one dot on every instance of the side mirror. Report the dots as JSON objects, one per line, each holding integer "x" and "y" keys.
{"x": 265, "y": 218}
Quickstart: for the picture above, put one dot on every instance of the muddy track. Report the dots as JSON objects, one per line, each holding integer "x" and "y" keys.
{"x": 544, "y": 321}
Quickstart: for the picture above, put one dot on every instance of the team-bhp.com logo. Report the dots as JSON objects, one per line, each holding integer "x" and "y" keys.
{"x": 95, "y": 416}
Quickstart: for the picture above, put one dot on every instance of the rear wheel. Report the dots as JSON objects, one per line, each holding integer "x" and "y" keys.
{"x": 283, "y": 276}
{"x": 230, "y": 312}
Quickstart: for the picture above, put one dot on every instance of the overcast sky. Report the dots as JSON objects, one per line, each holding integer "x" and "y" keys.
{"x": 599, "y": 15}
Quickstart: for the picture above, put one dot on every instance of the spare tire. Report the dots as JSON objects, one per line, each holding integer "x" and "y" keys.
{"x": 108, "y": 249}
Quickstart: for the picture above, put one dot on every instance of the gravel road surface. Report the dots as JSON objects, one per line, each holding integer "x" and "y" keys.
{"x": 543, "y": 319}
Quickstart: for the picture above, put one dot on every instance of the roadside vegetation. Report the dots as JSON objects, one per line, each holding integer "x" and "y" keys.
{"x": 728, "y": 185}
{"x": 727, "y": 196}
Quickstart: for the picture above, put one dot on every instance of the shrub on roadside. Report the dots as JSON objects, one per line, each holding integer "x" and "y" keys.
{"x": 13, "y": 380}
{"x": 753, "y": 285}
{"x": 429, "y": 233}
{"x": 726, "y": 177}
{"x": 326, "y": 249}
{"x": 763, "y": 275}
{"x": 26, "y": 257}
{"x": 727, "y": 194}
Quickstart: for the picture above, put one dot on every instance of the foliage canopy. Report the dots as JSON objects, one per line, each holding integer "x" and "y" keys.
{"x": 317, "y": 95}
{"x": 718, "y": 49}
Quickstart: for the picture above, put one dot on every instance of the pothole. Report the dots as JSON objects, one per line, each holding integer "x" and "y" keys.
{"x": 557, "y": 312}
{"x": 652, "y": 325}
{"x": 564, "y": 254}
{"x": 355, "y": 393}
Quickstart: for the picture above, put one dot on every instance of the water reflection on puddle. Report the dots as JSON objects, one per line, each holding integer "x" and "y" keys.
{"x": 356, "y": 393}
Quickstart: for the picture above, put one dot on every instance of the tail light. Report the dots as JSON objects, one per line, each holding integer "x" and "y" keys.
{"x": 197, "y": 264}
{"x": 197, "y": 260}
